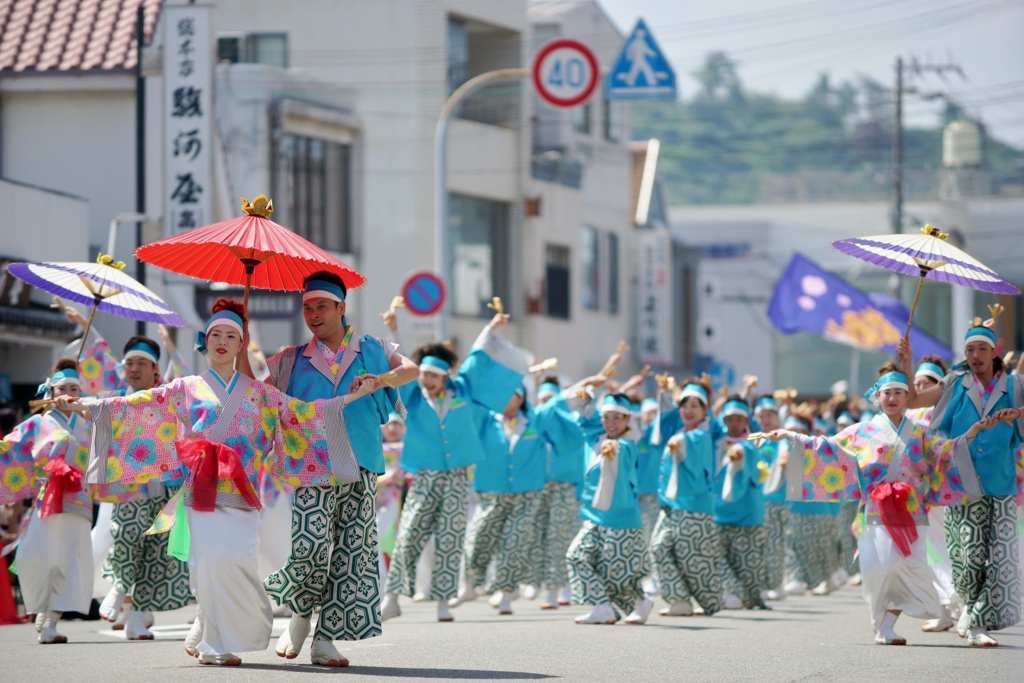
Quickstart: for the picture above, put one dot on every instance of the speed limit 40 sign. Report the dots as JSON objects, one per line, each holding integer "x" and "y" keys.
{"x": 565, "y": 72}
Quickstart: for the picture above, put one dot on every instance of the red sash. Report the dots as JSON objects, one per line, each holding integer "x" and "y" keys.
{"x": 208, "y": 461}
{"x": 892, "y": 507}
{"x": 63, "y": 479}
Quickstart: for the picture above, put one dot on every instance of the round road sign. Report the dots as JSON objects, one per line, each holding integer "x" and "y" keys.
{"x": 565, "y": 72}
{"x": 424, "y": 293}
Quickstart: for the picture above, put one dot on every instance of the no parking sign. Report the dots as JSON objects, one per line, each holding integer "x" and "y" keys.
{"x": 424, "y": 293}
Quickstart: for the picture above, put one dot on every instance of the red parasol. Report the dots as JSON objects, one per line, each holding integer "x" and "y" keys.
{"x": 250, "y": 250}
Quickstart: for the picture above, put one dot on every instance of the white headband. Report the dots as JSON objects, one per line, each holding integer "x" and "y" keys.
{"x": 222, "y": 322}
{"x": 139, "y": 353}
{"x": 320, "y": 294}
{"x": 925, "y": 372}
{"x": 693, "y": 390}
{"x": 979, "y": 337}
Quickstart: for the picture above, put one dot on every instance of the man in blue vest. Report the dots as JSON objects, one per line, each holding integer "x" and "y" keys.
{"x": 982, "y": 536}
{"x": 342, "y": 581}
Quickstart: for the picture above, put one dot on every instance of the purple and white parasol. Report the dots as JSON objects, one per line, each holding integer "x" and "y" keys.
{"x": 101, "y": 286}
{"x": 926, "y": 255}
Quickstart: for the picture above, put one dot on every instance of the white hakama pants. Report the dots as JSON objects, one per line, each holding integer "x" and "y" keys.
{"x": 275, "y": 534}
{"x": 894, "y": 582}
{"x": 224, "y": 577}
{"x": 55, "y": 566}
{"x": 942, "y": 570}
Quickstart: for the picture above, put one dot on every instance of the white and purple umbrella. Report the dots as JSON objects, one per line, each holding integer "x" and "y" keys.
{"x": 101, "y": 286}
{"x": 926, "y": 255}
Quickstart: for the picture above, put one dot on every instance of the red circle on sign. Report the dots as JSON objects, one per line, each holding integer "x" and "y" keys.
{"x": 424, "y": 293}
{"x": 538, "y": 60}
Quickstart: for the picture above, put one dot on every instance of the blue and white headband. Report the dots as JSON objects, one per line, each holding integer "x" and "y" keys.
{"x": 59, "y": 378}
{"x": 616, "y": 404}
{"x": 766, "y": 403}
{"x": 890, "y": 380}
{"x": 649, "y": 404}
{"x": 980, "y": 333}
{"x": 548, "y": 389}
{"x": 735, "y": 407}
{"x": 321, "y": 289}
{"x": 695, "y": 390}
{"x": 793, "y": 423}
{"x": 929, "y": 370}
{"x": 220, "y": 318}
{"x": 844, "y": 419}
{"x": 435, "y": 365}
{"x": 141, "y": 349}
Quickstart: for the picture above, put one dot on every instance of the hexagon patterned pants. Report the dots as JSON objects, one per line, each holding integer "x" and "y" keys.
{"x": 436, "y": 504}
{"x": 983, "y": 545}
{"x": 333, "y": 564}
{"x": 139, "y": 565}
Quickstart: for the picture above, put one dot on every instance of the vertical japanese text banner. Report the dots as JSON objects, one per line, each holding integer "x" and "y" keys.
{"x": 654, "y": 317}
{"x": 188, "y": 108}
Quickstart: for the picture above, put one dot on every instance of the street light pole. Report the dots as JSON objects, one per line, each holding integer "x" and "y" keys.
{"x": 441, "y": 247}
{"x": 897, "y": 153}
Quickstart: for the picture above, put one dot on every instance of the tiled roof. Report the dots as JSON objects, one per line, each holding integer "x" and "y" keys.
{"x": 71, "y": 35}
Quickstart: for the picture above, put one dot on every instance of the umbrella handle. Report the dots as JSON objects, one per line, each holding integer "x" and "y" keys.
{"x": 85, "y": 334}
{"x": 245, "y": 296}
{"x": 917, "y": 295}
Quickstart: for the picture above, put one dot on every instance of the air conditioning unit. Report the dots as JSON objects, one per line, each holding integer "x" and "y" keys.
{"x": 231, "y": 47}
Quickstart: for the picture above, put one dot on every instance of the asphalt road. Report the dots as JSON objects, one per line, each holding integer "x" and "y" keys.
{"x": 803, "y": 639}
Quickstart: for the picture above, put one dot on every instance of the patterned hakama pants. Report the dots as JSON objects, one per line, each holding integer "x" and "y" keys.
{"x": 847, "y": 541}
{"x": 558, "y": 520}
{"x": 435, "y": 504}
{"x": 606, "y": 566}
{"x": 983, "y": 545}
{"x": 776, "y": 519}
{"x": 504, "y": 528}
{"x": 812, "y": 553}
{"x": 744, "y": 549}
{"x": 334, "y": 560}
{"x": 685, "y": 547}
{"x": 139, "y": 565}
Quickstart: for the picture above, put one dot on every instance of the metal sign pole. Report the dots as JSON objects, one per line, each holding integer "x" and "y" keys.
{"x": 441, "y": 247}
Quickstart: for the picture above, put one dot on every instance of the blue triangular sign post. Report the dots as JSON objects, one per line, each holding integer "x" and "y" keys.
{"x": 641, "y": 71}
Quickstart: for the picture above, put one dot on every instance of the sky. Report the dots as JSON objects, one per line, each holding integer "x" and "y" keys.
{"x": 781, "y": 47}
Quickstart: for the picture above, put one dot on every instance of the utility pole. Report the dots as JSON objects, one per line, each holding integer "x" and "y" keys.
{"x": 140, "y": 148}
{"x": 897, "y": 153}
{"x": 914, "y": 68}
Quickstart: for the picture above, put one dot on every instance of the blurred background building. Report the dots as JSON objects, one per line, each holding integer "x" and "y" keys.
{"x": 330, "y": 108}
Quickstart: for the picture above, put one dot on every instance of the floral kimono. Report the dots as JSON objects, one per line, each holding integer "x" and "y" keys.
{"x": 897, "y": 473}
{"x": 226, "y": 433}
{"x": 45, "y": 457}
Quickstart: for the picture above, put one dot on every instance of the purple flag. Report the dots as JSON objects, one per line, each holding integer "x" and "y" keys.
{"x": 810, "y": 299}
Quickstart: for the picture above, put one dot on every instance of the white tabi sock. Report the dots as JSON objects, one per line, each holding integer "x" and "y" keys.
{"x": 389, "y": 607}
{"x": 505, "y": 604}
{"x": 979, "y": 637}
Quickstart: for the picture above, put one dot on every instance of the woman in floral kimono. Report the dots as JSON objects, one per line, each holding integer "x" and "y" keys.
{"x": 898, "y": 468}
{"x": 221, "y": 425}
{"x": 45, "y": 456}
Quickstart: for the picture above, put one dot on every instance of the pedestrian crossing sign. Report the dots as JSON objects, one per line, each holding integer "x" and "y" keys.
{"x": 641, "y": 71}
